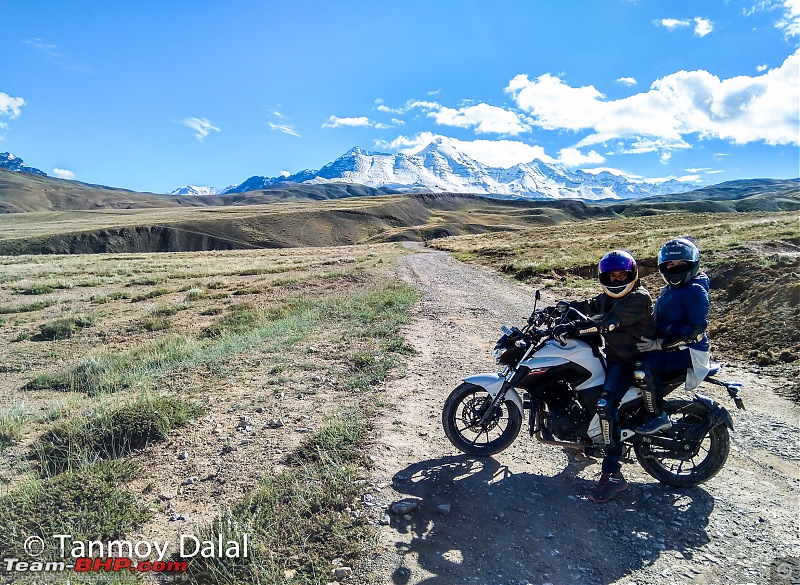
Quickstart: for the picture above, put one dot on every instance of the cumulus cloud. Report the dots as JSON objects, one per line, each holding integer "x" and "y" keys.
{"x": 63, "y": 173}
{"x": 572, "y": 157}
{"x": 201, "y": 126}
{"x": 790, "y": 21}
{"x": 702, "y": 26}
{"x": 482, "y": 118}
{"x": 407, "y": 144}
{"x": 739, "y": 109}
{"x": 673, "y": 23}
{"x": 627, "y": 81}
{"x": 10, "y": 106}
{"x": 493, "y": 153}
{"x": 336, "y": 122}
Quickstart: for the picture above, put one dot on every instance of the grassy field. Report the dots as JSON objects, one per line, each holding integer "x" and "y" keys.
{"x": 575, "y": 247}
{"x": 753, "y": 260}
{"x": 216, "y": 393}
{"x": 151, "y": 395}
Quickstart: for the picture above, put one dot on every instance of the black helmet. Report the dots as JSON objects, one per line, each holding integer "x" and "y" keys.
{"x": 679, "y": 249}
{"x": 618, "y": 260}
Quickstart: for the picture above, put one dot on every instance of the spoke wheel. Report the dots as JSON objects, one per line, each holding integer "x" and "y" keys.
{"x": 707, "y": 457}
{"x": 461, "y": 418}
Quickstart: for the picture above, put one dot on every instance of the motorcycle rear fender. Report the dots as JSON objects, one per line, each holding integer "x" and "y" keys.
{"x": 718, "y": 413}
{"x": 493, "y": 383}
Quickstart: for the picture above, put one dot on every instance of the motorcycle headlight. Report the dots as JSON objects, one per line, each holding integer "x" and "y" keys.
{"x": 498, "y": 353}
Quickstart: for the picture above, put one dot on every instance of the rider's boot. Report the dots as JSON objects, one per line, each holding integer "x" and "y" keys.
{"x": 658, "y": 420}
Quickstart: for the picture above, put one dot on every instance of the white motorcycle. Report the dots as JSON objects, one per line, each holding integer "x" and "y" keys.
{"x": 557, "y": 385}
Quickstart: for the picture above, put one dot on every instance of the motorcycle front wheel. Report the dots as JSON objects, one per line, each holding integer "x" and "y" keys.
{"x": 709, "y": 456}
{"x": 461, "y": 418}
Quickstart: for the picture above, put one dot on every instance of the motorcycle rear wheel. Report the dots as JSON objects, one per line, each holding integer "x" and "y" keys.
{"x": 461, "y": 416}
{"x": 709, "y": 459}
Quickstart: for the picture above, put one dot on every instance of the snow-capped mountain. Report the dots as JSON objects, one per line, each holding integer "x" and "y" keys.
{"x": 14, "y": 163}
{"x": 442, "y": 167}
{"x": 194, "y": 190}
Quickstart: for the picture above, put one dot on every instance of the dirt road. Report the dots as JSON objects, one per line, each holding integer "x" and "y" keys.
{"x": 522, "y": 517}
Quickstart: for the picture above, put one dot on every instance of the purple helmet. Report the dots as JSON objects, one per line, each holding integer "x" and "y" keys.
{"x": 618, "y": 261}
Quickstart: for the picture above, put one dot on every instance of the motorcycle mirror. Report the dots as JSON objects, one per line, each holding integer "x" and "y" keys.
{"x": 537, "y": 296}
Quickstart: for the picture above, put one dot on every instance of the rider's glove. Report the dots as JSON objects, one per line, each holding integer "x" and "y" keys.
{"x": 647, "y": 344}
{"x": 563, "y": 332}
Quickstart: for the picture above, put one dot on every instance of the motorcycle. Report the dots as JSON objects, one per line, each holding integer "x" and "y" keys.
{"x": 557, "y": 383}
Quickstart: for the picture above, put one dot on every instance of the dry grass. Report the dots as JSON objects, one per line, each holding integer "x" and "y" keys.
{"x": 246, "y": 335}
{"x": 575, "y": 247}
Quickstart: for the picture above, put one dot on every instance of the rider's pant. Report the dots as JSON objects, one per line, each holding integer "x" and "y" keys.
{"x": 658, "y": 366}
{"x": 619, "y": 376}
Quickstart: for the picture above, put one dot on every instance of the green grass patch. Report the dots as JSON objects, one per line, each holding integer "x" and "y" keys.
{"x": 30, "y": 307}
{"x": 36, "y": 289}
{"x": 156, "y": 324}
{"x": 11, "y": 422}
{"x": 63, "y": 327}
{"x": 88, "y": 503}
{"x": 113, "y": 433}
{"x": 368, "y": 318}
{"x": 159, "y": 292}
{"x": 297, "y": 521}
{"x": 110, "y": 297}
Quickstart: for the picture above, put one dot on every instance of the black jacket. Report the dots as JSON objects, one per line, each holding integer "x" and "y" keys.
{"x": 632, "y": 315}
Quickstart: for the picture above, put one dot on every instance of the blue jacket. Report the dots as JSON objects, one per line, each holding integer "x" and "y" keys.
{"x": 683, "y": 310}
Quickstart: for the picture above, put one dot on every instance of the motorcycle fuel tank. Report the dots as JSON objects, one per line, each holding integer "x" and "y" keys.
{"x": 575, "y": 351}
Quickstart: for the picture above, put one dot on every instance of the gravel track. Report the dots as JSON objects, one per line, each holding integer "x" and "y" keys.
{"x": 522, "y": 517}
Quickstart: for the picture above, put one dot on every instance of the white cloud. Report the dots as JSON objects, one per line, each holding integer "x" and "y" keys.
{"x": 673, "y": 23}
{"x": 494, "y": 153}
{"x": 407, "y": 144}
{"x": 56, "y": 55}
{"x": 281, "y": 124}
{"x": 336, "y": 122}
{"x": 200, "y": 125}
{"x": 572, "y": 157}
{"x": 10, "y": 106}
{"x": 702, "y": 26}
{"x": 740, "y": 109}
{"x": 790, "y": 22}
{"x": 627, "y": 81}
{"x": 63, "y": 174}
{"x": 285, "y": 128}
{"x": 762, "y": 68}
{"x": 502, "y": 153}
{"x": 483, "y": 118}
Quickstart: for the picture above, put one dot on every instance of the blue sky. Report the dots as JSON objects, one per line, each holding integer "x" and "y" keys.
{"x": 154, "y": 95}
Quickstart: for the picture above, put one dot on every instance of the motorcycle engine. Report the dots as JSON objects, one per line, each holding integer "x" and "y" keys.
{"x": 563, "y": 421}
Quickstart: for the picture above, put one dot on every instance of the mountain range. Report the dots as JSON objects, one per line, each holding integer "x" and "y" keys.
{"x": 442, "y": 167}
{"x": 14, "y": 163}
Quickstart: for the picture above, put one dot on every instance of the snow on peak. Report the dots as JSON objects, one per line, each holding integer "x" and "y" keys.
{"x": 441, "y": 166}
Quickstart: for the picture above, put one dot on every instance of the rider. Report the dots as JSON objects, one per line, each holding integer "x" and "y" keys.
{"x": 623, "y": 314}
{"x": 681, "y": 314}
